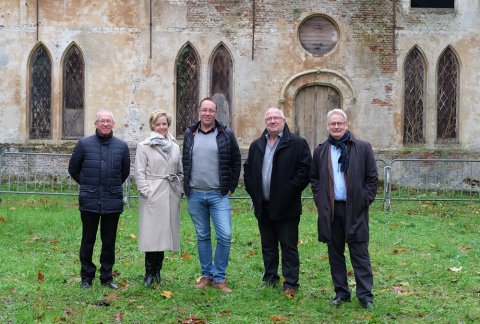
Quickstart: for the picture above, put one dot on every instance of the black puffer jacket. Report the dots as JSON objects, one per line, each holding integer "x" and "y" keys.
{"x": 229, "y": 157}
{"x": 100, "y": 166}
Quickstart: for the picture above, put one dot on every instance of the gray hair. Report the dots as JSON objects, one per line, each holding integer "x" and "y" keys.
{"x": 103, "y": 111}
{"x": 271, "y": 109}
{"x": 336, "y": 111}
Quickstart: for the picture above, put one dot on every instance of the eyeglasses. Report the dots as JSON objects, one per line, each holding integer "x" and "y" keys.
{"x": 337, "y": 124}
{"x": 273, "y": 118}
{"x": 105, "y": 121}
{"x": 210, "y": 111}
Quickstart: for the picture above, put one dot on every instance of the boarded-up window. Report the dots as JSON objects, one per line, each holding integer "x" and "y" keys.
{"x": 432, "y": 3}
{"x": 40, "y": 95}
{"x": 73, "y": 93}
{"x": 188, "y": 76}
{"x": 447, "y": 92}
{"x": 413, "y": 104}
{"x": 221, "y": 84}
{"x": 318, "y": 35}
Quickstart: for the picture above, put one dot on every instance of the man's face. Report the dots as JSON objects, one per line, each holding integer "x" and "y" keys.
{"x": 207, "y": 113}
{"x": 336, "y": 126}
{"x": 105, "y": 123}
{"x": 274, "y": 122}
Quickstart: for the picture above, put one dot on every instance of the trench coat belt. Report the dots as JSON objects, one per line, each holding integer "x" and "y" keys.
{"x": 172, "y": 178}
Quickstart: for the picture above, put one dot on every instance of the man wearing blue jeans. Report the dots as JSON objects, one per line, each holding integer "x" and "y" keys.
{"x": 211, "y": 166}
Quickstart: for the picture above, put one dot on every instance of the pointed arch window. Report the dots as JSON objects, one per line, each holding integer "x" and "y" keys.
{"x": 188, "y": 76}
{"x": 73, "y": 93}
{"x": 221, "y": 68}
{"x": 413, "y": 104}
{"x": 40, "y": 105}
{"x": 447, "y": 96}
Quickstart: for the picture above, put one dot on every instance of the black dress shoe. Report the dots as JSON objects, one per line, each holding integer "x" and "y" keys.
{"x": 110, "y": 284}
{"x": 148, "y": 280}
{"x": 158, "y": 278}
{"x": 337, "y": 301}
{"x": 366, "y": 304}
{"x": 85, "y": 284}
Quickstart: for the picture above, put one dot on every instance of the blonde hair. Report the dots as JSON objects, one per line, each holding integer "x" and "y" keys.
{"x": 157, "y": 114}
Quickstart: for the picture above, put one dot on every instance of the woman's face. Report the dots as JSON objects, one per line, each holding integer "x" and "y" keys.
{"x": 161, "y": 125}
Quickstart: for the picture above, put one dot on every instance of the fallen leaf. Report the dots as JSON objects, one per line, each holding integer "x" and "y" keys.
{"x": 111, "y": 297}
{"x": 115, "y": 274}
{"x": 53, "y": 241}
{"x": 40, "y": 277}
{"x": 394, "y": 225}
{"x": 278, "y": 318}
{"x": 68, "y": 310}
{"x": 185, "y": 256}
{"x": 54, "y": 248}
{"x": 464, "y": 248}
{"x": 252, "y": 252}
{"x": 2, "y": 219}
{"x": 123, "y": 283}
{"x": 118, "y": 317}
{"x": 226, "y": 312}
{"x": 401, "y": 250}
{"x": 455, "y": 269}
{"x": 350, "y": 273}
{"x": 132, "y": 237}
{"x": 299, "y": 242}
{"x": 33, "y": 239}
{"x": 167, "y": 294}
{"x": 191, "y": 320}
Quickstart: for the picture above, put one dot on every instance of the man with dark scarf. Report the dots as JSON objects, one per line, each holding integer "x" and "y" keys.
{"x": 344, "y": 184}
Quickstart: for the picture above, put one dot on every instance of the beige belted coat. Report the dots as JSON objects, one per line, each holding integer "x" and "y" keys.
{"x": 159, "y": 179}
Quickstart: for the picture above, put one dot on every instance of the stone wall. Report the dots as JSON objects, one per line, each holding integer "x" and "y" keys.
{"x": 130, "y": 67}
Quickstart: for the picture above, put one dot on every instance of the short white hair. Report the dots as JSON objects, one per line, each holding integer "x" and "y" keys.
{"x": 274, "y": 109}
{"x": 336, "y": 111}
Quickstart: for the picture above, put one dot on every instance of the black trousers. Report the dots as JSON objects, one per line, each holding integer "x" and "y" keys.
{"x": 359, "y": 258}
{"x": 108, "y": 234}
{"x": 285, "y": 232}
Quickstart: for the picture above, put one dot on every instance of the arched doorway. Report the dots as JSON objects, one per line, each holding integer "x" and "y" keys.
{"x": 311, "y": 106}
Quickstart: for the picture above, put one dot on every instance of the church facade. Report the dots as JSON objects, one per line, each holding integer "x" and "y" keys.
{"x": 406, "y": 72}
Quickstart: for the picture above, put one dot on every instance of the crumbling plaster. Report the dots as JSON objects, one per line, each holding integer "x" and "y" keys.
{"x": 132, "y": 72}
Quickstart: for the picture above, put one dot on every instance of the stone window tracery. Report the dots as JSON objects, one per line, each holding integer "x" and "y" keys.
{"x": 73, "y": 93}
{"x": 40, "y": 105}
{"x": 221, "y": 83}
{"x": 447, "y": 96}
{"x": 187, "y": 87}
{"x": 413, "y": 105}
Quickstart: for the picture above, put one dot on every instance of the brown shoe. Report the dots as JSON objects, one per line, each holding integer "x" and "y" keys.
{"x": 289, "y": 292}
{"x": 222, "y": 286}
{"x": 203, "y": 282}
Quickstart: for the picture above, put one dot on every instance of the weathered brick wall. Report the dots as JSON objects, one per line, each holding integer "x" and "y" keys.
{"x": 132, "y": 72}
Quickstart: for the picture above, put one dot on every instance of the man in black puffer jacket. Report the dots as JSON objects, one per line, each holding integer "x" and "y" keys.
{"x": 100, "y": 164}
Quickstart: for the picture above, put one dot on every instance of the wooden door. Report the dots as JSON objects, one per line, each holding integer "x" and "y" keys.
{"x": 311, "y": 106}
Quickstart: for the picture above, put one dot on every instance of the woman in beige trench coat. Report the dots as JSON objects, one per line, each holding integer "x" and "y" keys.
{"x": 159, "y": 178}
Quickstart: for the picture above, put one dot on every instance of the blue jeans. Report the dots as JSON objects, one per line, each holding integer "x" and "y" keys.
{"x": 202, "y": 206}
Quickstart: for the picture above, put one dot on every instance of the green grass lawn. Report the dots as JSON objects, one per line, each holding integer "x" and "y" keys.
{"x": 425, "y": 257}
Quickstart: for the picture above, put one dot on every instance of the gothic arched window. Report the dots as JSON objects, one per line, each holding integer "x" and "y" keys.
{"x": 73, "y": 93}
{"x": 40, "y": 115}
{"x": 221, "y": 68}
{"x": 447, "y": 96}
{"x": 188, "y": 77}
{"x": 413, "y": 98}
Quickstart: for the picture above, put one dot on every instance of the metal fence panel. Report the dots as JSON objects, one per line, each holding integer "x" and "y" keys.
{"x": 432, "y": 179}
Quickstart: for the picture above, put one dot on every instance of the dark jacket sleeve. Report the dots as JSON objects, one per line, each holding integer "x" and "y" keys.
{"x": 371, "y": 175}
{"x": 236, "y": 161}
{"x": 125, "y": 164}
{"x": 304, "y": 160}
{"x": 75, "y": 163}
